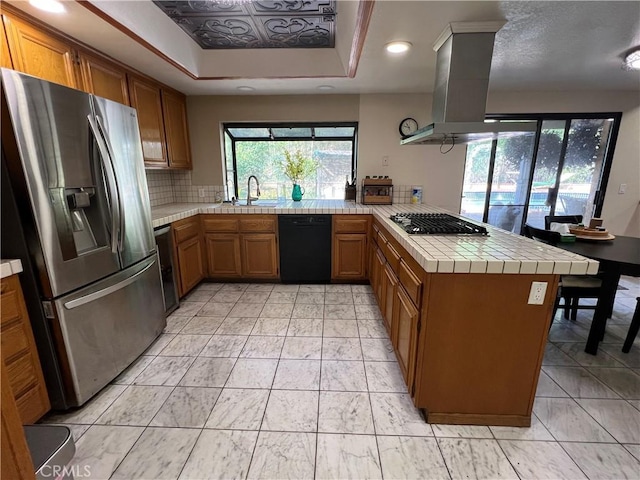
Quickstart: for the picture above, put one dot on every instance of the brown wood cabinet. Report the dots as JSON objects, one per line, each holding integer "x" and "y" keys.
{"x": 19, "y": 354}
{"x": 40, "y": 54}
{"x": 5, "y": 56}
{"x": 378, "y": 265}
{"x": 405, "y": 334}
{"x": 349, "y": 247}
{"x": 259, "y": 255}
{"x": 103, "y": 78}
{"x": 189, "y": 253}
{"x": 223, "y": 255}
{"x": 146, "y": 98}
{"x": 174, "y": 110}
{"x": 390, "y": 284}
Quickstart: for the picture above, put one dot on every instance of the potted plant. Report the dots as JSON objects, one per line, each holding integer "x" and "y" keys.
{"x": 296, "y": 167}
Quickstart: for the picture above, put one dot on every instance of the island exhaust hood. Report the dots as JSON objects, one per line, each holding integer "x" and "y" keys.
{"x": 464, "y": 51}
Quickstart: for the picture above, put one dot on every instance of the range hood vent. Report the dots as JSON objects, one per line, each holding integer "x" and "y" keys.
{"x": 464, "y": 51}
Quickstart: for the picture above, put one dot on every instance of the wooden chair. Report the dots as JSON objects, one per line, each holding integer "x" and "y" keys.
{"x": 633, "y": 328}
{"x": 548, "y": 219}
{"x": 571, "y": 288}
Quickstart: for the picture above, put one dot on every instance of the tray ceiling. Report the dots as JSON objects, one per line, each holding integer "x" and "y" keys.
{"x": 255, "y": 24}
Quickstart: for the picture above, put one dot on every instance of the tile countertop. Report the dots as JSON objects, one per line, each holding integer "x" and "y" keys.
{"x": 10, "y": 267}
{"x": 500, "y": 252}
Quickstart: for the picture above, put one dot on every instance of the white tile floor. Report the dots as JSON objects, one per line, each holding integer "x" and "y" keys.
{"x": 288, "y": 381}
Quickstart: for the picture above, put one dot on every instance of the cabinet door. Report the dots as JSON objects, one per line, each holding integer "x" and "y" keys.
{"x": 190, "y": 264}
{"x": 5, "y": 56}
{"x": 104, "y": 79}
{"x": 390, "y": 283}
{"x": 145, "y": 98}
{"x": 223, "y": 254}
{"x": 379, "y": 263}
{"x": 259, "y": 255}
{"x": 349, "y": 257}
{"x": 40, "y": 54}
{"x": 174, "y": 108}
{"x": 405, "y": 335}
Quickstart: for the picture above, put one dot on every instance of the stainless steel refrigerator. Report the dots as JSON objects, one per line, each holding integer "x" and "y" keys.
{"x": 75, "y": 209}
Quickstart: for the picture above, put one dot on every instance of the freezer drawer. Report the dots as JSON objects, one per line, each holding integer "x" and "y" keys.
{"x": 107, "y": 326}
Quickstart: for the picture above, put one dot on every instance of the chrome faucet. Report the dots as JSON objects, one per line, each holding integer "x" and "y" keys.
{"x": 249, "y": 197}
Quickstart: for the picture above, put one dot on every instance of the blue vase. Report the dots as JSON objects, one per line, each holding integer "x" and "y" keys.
{"x": 296, "y": 194}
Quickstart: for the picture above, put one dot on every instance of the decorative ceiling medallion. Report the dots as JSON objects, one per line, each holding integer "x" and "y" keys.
{"x": 226, "y": 24}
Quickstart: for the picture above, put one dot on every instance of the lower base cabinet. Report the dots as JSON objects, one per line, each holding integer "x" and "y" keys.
{"x": 223, "y": 255}
{"x": 259, "y": 255}
{"x": 405, "y": 334}
{"x": 389, "y": 286}
{"x": 190, "y": 262}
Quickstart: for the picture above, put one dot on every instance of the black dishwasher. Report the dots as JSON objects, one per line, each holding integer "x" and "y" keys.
{"x": 305, "y": 248}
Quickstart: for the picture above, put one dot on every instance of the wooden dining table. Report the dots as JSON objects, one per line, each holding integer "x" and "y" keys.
{"x": 620, "y": 256}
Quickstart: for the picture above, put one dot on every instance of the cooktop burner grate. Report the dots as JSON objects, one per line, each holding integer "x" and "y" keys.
{"x": 436, "y": 224}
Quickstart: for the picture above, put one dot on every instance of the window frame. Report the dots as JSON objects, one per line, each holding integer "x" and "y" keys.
{"x": 269, "y": 125}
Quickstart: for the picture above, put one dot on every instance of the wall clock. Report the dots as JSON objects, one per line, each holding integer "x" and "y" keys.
{"x": 408, "y": 127}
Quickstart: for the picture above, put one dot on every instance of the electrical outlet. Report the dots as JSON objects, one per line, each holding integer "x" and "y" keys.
{"x": 201, "y": 192}
{"x": 385, "y": 161}
{"x": 622, "y": 189}
{"x": 537, "y": 293}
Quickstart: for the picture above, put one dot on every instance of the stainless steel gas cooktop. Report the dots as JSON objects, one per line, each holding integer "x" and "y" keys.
{"x": 436, "y": 224}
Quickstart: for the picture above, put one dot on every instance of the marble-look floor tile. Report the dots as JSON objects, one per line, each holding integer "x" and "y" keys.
{"x": 537, "y": 431}
{"x": 338, "y": 298}
{"x": 311, "y": 288}
{"x": 347, "y": 456}
{"x": 385, "y": 377}
{"x": 285, "y": 288}
{"x": 339, "y": 312}
{"x": 238, "y": 409}
{"x": 76, "y": 430}
{"x": 234, "y": 287}
{"x": 307, "y": 310}
{"x": 226, "y": 296}
{"x": 368, "y": 312}
{"x": 619, "y": 418}
{"x": 345, "y": 412}
{"x": 224, "y": 346}
{"x": 362, "y": 289}
{"x": 283, "y": 455}
{"x": 302, "y": 348}
{"x": 473, "y": 458}
{"x": 554, "y": 356}
{"x": 262, "y": 347}
{"x": 282, "y": 297}
{"x": 576, "y": 351}
{"x": 208, "y": 372}
{"x": 631, "y": 359}
{"x": 291, "y": 411}
{"x": 633, "y": 449}
{"x": 364, "y": 299}
{"x": 540, "y": 460}
{"x": 91, "y": 410}
{"x": 566, "y": 421}
{"x": 136, "y": 406}
{"x": 345, "y": 376}
{"x": 635, "y": 403}
{"x": 202, "y": 326}
{"x": 187, "y": 309}
{"x": 305, "y": 327}
{"x": 340, "y": 328}
{"x": 216, "y": 309}
{"x": 566, "y": 333}
{"x": 236, "y": 326}
{"x": 185, "y": 346}
{"x": 160, "y": 453}
{"x": 220, "y": 454}
{"x": 187, "y": 407}
{"x": 175, "y": 323}
{"x": 158, "y": 345}
{"x": 579, "y": 383}
{"x": 377, "y": 349}
{"x": 164, "y": 371}
{"x": 129, "y": 375}
{"x": 102, "y": 448}
{"x": 254, "y": 297}
{"x": 277, "y": 310}
{"x": 548, "y": 388}
{"x": 604, "y": 461}
{"x": 260, "y": 287}
{"x": 297, "y": 375}
{"x": 372, "y": 329}
{"x": 271, "y": 326}
{"x": 341, "y": 349}
{"x": 411, "y": 458}
{"x": 394, "y": 414}
{"x": 345, "y": 288}
{"x": 246, "y": 310}
{"x": 461, "y": 431}
{"x": 314, "y": 298}
{"x": 252, "y": 373}
{"x": 211, "y": 287}
{"x": 622, "y": 380}
{"x": 198, "y": 296}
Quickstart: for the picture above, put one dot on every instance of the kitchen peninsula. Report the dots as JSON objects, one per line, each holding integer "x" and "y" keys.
{"x": 456, "y": 309}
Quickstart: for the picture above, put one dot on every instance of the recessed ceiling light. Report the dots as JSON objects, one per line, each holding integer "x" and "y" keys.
{"x": 632, "y": 60}
{"x": 326, "y": 87}
{"x": 397, "y": 47}
{"x": 246, "y": 88}
{"x": 52, "y": 6}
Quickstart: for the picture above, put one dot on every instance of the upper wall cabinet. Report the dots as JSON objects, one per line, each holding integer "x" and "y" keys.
{"x": 104, "y": 79}
{"x": 174, "y": 108}
{"x": 146, "y": 99}
{"x": 39, "y": 54}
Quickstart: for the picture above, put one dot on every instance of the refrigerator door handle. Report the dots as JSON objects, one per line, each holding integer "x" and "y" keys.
{"x": 78, "y": 302}
{"x": 114, "y": 202}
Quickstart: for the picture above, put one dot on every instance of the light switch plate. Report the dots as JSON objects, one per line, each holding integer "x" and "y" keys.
{"x": 537, "y": 293}
{"x": 623, "y": 189}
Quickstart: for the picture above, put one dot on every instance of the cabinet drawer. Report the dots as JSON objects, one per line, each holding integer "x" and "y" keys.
{"x": 22, "y": 374}
{"x": 14, "y": 341}
{"x": 186, "y": 229}
{"x": 375, "y": 231}
{"x": 382, "y": 240}
{"x": 220, "y": 223}
{"x": 10, "y": 311}
{"x": 350, "y": 224}
{"x": 391, "y": 255}
{"x": 258, "y": 223}
{"x": 410, "y": 282}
